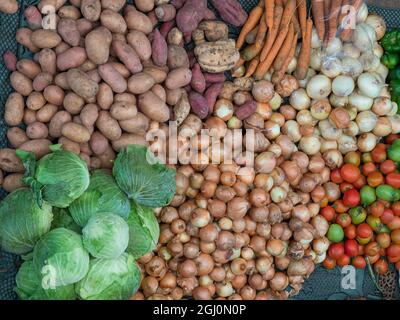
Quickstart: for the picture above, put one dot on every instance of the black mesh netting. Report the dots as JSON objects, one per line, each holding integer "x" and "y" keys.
{"x": 322, "y": 284}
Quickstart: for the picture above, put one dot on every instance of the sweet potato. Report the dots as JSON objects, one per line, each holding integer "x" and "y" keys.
{"x": 144, "y": 5}
{"x": 81, "y": 84}
{"x": 153, "y": 107}
{"x": 231, "y": 11}
{"x": 113, "y": 78}
{"x": 165, "y": 12}
{"x": 91, "y": 9}
{"x": 246, "y": 110}
{"x": 14, "y": 109}
{"x": 212, "y": 94}
{"x": 137, "y": 20}
{"x": 40, "y": 147}
{"x": 157, "y": 73}
{"x": 166, "y": 27}
{"x": 43, "y": 38}
{"x": 189, "y": 16}
{"x": 123, "y": 111}
{"x": 214, "y": 77}
{"x": 128, "y": 56}
{"x": 47, "y": 112}
{"x": 159, "y": 49}
{"x": 113, "y": 21}
{"x": 37, "y": 130}
{"x": 104, "y": 96}
{"x": 13, "y": 182}
{"x": 57, "y": 122}
{"x": 69, "y": 32}
{"x": 139, "y": 124}
{"x": 127, "y": 139}
{"x": 97, "y": 44}
{"x": 209, "y": 15}
{"x": 54, "y": 95}
{"x": 21, "y": 83}
{"x": 199, "y": 105}
{"x": 108, "y": 126}
{"x": 10, "y": 60}
{"x": 35, "y": 101}
{"x": 47, "y": 59}
{"x": 140, "y": 43}
{"x": 41, "y": 81}
{"x": 72, "y": 58}
{"x": 23, "y": 37}
{"x": 9, "y": 6}
{"x": 16, "y": 136}
{"x": 178, "y": 78}
{"x": 198, "y": 82}
{"x": 178, "y": 3}
{"x": 140, "y": 83}
{"x": 98, "y": 143}
{"x": 115, "y": 5}
{"x": 177, "y": 57}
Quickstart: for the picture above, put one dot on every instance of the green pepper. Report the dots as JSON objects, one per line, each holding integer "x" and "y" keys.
{"x": 367, "y": 194}
{"x": 394, "y": 74}
{"x": 390, "y": 60}
{"x": 394, "y": 151}
{"x": 391, "y": 41}
{"x": 395, "y": 90}
{"x": 386, "y": 192}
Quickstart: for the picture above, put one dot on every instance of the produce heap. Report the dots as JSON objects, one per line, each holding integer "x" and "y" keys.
{"x": 308, "y": 94}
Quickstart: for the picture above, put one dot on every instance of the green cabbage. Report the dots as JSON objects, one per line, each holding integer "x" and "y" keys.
{"x": 59, "y": 177}
{"x": 106, "y": 235}
{"x": 102, "y": 195}
{"x": 142, "y": 178}
{"x": 22, "y": 222}
{"x": 144, "y": 231}
{"x": 110, "y": 279}
{"x": 61, "y": 254}
{"x": 63, "y": 219}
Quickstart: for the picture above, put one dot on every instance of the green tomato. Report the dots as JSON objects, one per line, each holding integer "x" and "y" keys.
{"x": 358, "y": 215}
{"x": 335, "y": 233}
{"x": 375, "y": 223}
{"x": 367, "y": 194}
{"x": 385, "y": 229}
{"x": 394, "y": 151}
{"x": 386, "y": 192}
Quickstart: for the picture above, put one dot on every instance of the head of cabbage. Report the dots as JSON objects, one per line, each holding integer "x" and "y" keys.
{"x": 60, "y": 257}
{"x": 102, "y": 195}
{"x": 62, "y": 219}
{"x": 110, "y": 279}
{"x": 22, "y": 221}
{"x": 58, "y": 178}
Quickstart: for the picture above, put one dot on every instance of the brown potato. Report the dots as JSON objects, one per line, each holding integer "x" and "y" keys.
{"x": 40, "y": 147}
{"x": 91, "y": 9}
{"x": 69, "y": 12}
{"x": 85, "y": 158}
{"x": 57, "y": 122}
{"x": 9, "y": 162}
{"x": 41, "y": 81}
{"x": 159, "y": 91}
{"x": 113, "y": 78}
{"x": 97, "y": 44}
{"x": 104, "y": 96}
{"x": 75, "y": 132}
{"x": 85, "y": 148}
{"x": 177, "y": 57}
{"x": 37, "y": 130}
{"x": 94, "y": 75}
{"x": 88, "y": 66}
{"x": 14, "y": 109}
{"x": 121, "y": 69}
{"x": 98, "y": 143}
{"x": 68, "y": 30}
{"x": 127, "y": 139}
{"x": 141, "y": 43}
{"x": 43, "y": 38}
{"x": 125, "y": 97}
{"x": 108, "y": 126}
{"x": 29, "y": 116}
{"x": 123, "y": 111}
{"x": 138, "y": 21}
{"x": 28, "y": 68}
{"x": 61, "y": 81}
{"x": 139, "y": 124}
{"x": 73, "y": 103}
{"x": 173, "y": 96}
{"x": 35, "y": 101}
{"x": 23, "y": 37}
{"x": 46, "y": 112}
{"x": 61, "y": 48}
{"x": 113, "y": 21}
{"x": 21, "y": 83}
{"x": 153, "y": 107}
{"x": 95, "y": 163}
{"x": 72, "y": 58}
{"x": 107, "y": 158}
{"x": 157, "y": 73}
{"x": 69, "y": 145}
{"x": 16, "y": 136}
{"x": 1, "y": 177}
{"x": 89, "y": 115}
{"x": 115, "y": 5}
{"x": 140, "y": 83}
{"x": 84, "y": 26}
{"x": 178, "y": 78}
{"x": 127, "y": 55}
{"x": 175, "y": 36}
{"x": 54, "y": 95}
{"x": 81, "y": 84}
{"x": 47, "y": 59}
{"x": 9, "y": 6}
{"x": 13, "y": 182}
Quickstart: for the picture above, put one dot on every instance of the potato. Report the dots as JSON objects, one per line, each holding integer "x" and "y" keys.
{"x": 140, "y": 43}
{"x": 121, "y": 69}
{"x": 88, "y": 66}
{"x": 72, "y": 58}
{"x": 178, "y": 78}
{"x": 57, "y": 122}
{"x": 173, "y": 96}
{"x": 157, "y": 73}
{"x": 35, "y": 101}
{"x": 140, "y": 83}
{"x": 85, "y": 148}
{"x": 125, "y": 97}
{"x": 182, "y": 108}
{"x": 159, "y": 91}
{"x": 113, "y": 78}
{"x": 84, "y": 26}
{"x": 139, "y": 124}
{"x": 23, "y": 37}
{"x": 69, "y": 12}
{"x": 10, "y": 6}
{"x": 98, "y": 143}
{"x": 46, "y": 112}
{"x": 61, "y": 81}
{"x": 69, "y": 32}
{"x": 61, "y": 48}
{"x": 113, "y": 21}
{"x": 127, "y": 55}
{"x": 123, "y": 111}
{"x": 16, "y": 136}
{"x": 144, "y": 5}
{"x": 28, "y": 68}
{"x": 177, "y": 57}
{"x": 29, "y": 116}
{"x": 69, "y": 145}
{"x": 108, "y": 126}
{"x": 95, "y": 163}
{"x": 91, "y": 9}
{"x": 128, "y": 139}
{"x": 175, "y": 37}
{"x": 21, "y": 83}
{"x": 54, "y": 95}
{"x": 97, "y": 44}
{"x": 13, "y": 182}
{"x": 105, "y": 96}
{"x": 115, "y": 5}
{"x": 41, "y": 81}
{"x": 89, "y": 115}
{"x": 75, "y": 132}
{"x": 107, "y": 158}
{"x": 47, "y": 59}
{"x": 14, "y": 109}
{"x": 81, "y": 84}
{"x": 73, "y": 103}
{"x": 44, "y": 38}
{"x": 214, "y": 30}
{"x": 85, "y": 158}
{"x": 9, "y": 162}
{"x": 138, "y": 21}
{"x": 40, "y": 147}
{"x": 153, "y": 107}
{"x": 37, "y": 130}
{"x": 56, "y": 4}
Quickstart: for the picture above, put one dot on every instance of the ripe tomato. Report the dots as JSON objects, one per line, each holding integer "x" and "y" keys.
{"x": 343, "y": 220}
{"x": 395, "y": 236}
{"x": 368, "y": 168}
{"x": 364, "y": 231}
{"x": 345, "y": 186}
{"x": 372, "y": 248}
{"x": 336, "y": 177}
{"x": 393, "y": 250}
{"x": 383, "y": 240}
{"x": 328, "y": 213}
{"x": 361, "y": 181}
{"x": 376, "y": 209}
{"x": 359, "y": 262}
{"x": 393, "y": 179}
{"x": 361, "y": 250}
{"x": 387, "y": 216}
{"x": 339, "y": 206}
{"x": 351, "y": 248}
{"x": 393, "y": 259}
{"x": 329, "y": 263}
{"x": 375, "y": 179}
{"x": 396, "y": 208}
{"x": 373, "y": 259}
{"x": 378, "y": 155}
{"x": 353, "y": 157}
{"x": 336, "y": 250}
{"x": 344, "y": 260}
{"x": 387, "y": 166}
{"x": 350, "y": 232}
{"x": 350, "y": 172}
{"x": 381, "y": 267}
{"x": 351, "y": 198}
{"x": 394, "y": 224}
{"x": 391, "y": 138}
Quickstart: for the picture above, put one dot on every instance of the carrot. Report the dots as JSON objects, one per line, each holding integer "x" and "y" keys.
{"x": 333, "y": 19}
{"x": 303, "y": 60}
{"x": 252, "y": 66}
{"x": 279, "y": 74}
{"x": 284, "y": 51}
{"x": 269, "y": 13}
{"x": 262, "y": 31}
{"x": 318, "y": 15}
{"x": 272, "y": 33}
{"x": 251, "y": 36}
{"x": 296, "y": 23}
{"x": 278, "y": 3}
{"x": 288, "y": 13}
{"x": 253, "y": 50}
{"x": 254, "y": 17}
{"x": 302, "y": 12}
{"x": 344, "y": 11}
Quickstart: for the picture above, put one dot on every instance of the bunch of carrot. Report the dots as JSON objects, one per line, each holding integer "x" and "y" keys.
{"x": 273, "y": 29}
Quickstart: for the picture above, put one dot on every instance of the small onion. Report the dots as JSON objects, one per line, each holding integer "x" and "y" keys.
{"x": 319, "y": 87}
{"x": 360, "y": 101}
{"x": 347, "y": 144}
{"x": 331, "y": 67}
{"x": 395, "y": 122}
{"x": 333, "y": 158}
{"x": 382, "y": 71}
{"x": 394, "y": 110}
{"x": 275, "y": 102}
{"x": 278, "y": 194}
{"x": 310, "y": 73}
{"x": 299, "y": 99}
{"x": 329, "y": 131}
{"x": 362, "y": 13}
{"x": 349, "y": 50}
{"x": 337, "y": 101}
{"x": 378, "y": 50}
{"x": 383, "y": 127}
{"x": 223, "y": 109}
{"x": 352, "y": 130}
{"x": 328, "y": 144}
{"x": 366, "y": 121}
{"x": 316, "y": 59}
{"x": 315, "y": 40}
{"x": 382, "y": 106}
{"x": 334, "y": 47}
{"x": 304, "y": 117}
{"x": 370, "y": 61}
{"x": 310, "y": 145}
{"x": 369, "y": 85}
{"x": 292, "y": 130}
{"x": 378, "y": 23}
{"x": 265, "y": 162}
{"x": 340, "y": 118}
{"x": 320, "y": 225}
{"x": 364, "y": 37}
{"x": 352, "y": 67}
{"x": 292, "y": 65}
{"x": 366, "y": 142}
{"x": 343, "y": 86}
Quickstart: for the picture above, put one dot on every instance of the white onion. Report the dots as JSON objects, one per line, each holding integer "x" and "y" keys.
{"x": 364, "y": 37}
{"x": 352, "y": 129}
{"x": 337, "y": 101}
{"x": 268, "y": 76}
{"x": 351, "y": 51}
{"x": 394, "y": 110}
{"x": 316, "y": 59}
{"x": 319, "y": 87}
{"x": 385, "y": 92}
{"x": 328, "y": 145}
{"x": 366, "y": 121}
{"x": 310, "y": 73}
{"x": 378, "y": 23}
{"x": 321, "y": 245}
{"x": 334, "y": 47}
{"x": 299, "y": 99}
{"x": 383, "y": 127}
{"x": 292, "y": 130}
{"x": 360, "y": 101}
{"x": 362, "y": 13}
{"x": 292, "y": 65}
{"x": 382, "y": 106}
{"x": 347, "y": 143}
{"x": 275, "y": 102}
{"x": 366, "y": 142}
{"x": 378, "y": 50}
{"x": 382, "y": 71}
{"x": 331, "y": 67}
{"x": 369, "y": 84}
{"x": 395, "y": 122}
{"x": 310, "y": 145}
{"x": 277, "y": 194}
{"x": 352, "y": 67}
{"x": 370, "y": 61}
{"x": 352, "y": 111}
{"x": 343, "y": 86}
{"x": 328, "y": 130}
{"x": 304, "y": 117}
{"x": 315, "y": 41}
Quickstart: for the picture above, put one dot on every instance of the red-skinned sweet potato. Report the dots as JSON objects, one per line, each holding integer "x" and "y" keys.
{"x": 159, "y": 49}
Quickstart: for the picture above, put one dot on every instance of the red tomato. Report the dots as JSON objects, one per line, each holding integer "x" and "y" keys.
{"x": 361, "y": 250}
{"x": 343, "y": 261}
{"x": 395, "y": 236}
{"x": 387, "y": 166}
{"x": 350, "y": 172}
{"x": 345, "y": 186}
{"x": 364, "y": 231}
{"x": 372, "y": 248}
{"x": 396, "y": 208}
{"x": 393, "y": 259}
{"x": 394, "y": 224}
{"x": 350, "y": 232}
{"x": 351, "y": 198}
{"x": 361, "y": 182}
{"x": 344, "y": 220}
{"x": 368, "y": 168}
{"x": 328, "y": 213}
{"x": 336, "y": 250}
{"x": 393, "y": 250}
{"x": 387, "y": 216}
{"x": 359, "y": 262}
{"x": 351, "y": 248}
{"x": 336, "y": 177}
{"x": 376, "y": 209}
{"x": 378, "y": 155}
{"x": 329, "y": 263}
{"x": 381, "y": 267}
{"x": 339, "y": 206}
{"x": 383, "y": 240}
{"x": 391, "y": 138}
{"x": 393, "y": 179}
{"x": 375, "y": 179}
